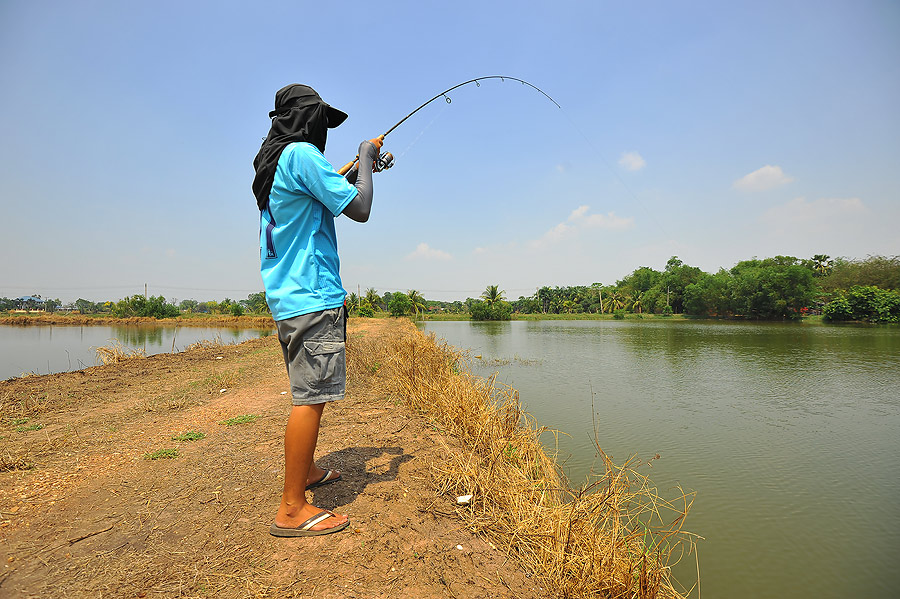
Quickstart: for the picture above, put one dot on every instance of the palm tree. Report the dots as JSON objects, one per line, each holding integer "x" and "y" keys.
{"x": 373, "y": 298}
{"x": 352, "y": 302}
{"x": 492, "y": 295}
{"x": 616, "y": 300}
{"x": 417, "y": 300}
{"x": 822, "y": 264}
{"x": 636, "y": 301}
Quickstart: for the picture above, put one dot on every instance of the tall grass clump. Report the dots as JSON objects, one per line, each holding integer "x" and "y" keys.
{"x": 115, "y": 352}
{"x": 613, "y": 536}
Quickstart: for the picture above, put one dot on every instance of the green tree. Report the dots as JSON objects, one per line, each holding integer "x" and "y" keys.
{"x": 85, "y": 306}
{"x": 635, "y": 301}
{"x": 481, "y": 310}
{"x": 778, "y": 287}
{"x": 188, "y": 305}
{"x": 492, "y": 295}
{"x": 416, "y": 301}
{"x": 822, "y": 264}
{"x": 352, "y": 303}
{"x": 373, "y": 298}
{"x": 864, "y": 303}
{"x": 615, "y": 300}
{"x": 365, "y": 309}
{"x": 399, "y": 304}
{"x": 151, "y": 307}
{"x": 877, "y": 271}
{"x": 256, "y": 303}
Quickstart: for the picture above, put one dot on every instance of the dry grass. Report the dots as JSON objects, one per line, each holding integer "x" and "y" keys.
{"x": 10, "y": 462}
{"x": 612, "y": 537}
{"x": 115, "y": 353}
{"x": 206, "y": 343}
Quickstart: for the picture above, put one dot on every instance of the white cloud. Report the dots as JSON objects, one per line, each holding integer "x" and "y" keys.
{"x": 632, "y": 161}
{"x": 609, "y": 221}
{"x": 580, "y": 219}
{"x": 578, "y": 213}
{"x": 768, "y": 177}
{"x": 424, "y": 252}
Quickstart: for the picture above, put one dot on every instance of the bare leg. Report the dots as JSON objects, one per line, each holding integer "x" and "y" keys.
{"x": 300, "y": 439}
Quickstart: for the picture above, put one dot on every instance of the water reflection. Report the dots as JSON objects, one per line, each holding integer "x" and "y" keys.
{"x": 139, "y": 336}
{"x": 50, "y": 349}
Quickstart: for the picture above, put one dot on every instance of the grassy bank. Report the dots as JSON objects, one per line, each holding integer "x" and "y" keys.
{"x": 130, "y": 477}
{"x": 612, "y": 537}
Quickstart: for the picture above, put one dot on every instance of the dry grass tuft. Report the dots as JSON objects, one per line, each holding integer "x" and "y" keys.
{"x": 115, "y": 352}
{"x": 10, "y": 462}
{"x": 612, "y": 537}
{"x": 206, "y": 344}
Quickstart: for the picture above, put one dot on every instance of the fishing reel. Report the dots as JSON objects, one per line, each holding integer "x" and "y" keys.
{"x": 384, "y": 161}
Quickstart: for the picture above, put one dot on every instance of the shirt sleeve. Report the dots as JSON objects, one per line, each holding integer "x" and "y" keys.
{"x": 320, "y": 179}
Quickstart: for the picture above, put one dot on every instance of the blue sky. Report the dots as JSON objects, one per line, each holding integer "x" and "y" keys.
{"x": 712, "y": 131}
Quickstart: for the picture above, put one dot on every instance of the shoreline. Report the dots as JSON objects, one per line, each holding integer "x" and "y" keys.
{"x": 84, "y": 511}
{"x": 79, "y": 492}
{"x": 266, "y": 322}
{"x": 239, "y": 322}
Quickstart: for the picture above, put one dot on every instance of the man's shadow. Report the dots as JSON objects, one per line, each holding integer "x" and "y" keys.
{"x": 359, "y": 467}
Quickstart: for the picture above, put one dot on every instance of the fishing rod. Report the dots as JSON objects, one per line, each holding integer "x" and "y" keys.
{"x": 386, "y": 159}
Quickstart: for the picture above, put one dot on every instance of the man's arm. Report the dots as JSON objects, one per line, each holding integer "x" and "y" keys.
{"x": 359, "y": 207}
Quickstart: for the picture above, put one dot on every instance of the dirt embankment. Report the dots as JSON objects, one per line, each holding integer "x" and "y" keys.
{"x": 84, "y": 513}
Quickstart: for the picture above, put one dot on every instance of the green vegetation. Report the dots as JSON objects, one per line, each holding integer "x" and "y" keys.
{"x": 140, "y": 305}
{"x": 779, "y": 288}
{"x": 244, "y": 419}
{"x": 867, "y": 303}
{"x": 399, "y": 304}
{"x": 162, "y": 454}
{"x": 189, "y": 436}
{"x": 30, "y": 427}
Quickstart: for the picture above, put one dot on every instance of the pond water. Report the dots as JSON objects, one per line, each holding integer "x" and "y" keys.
{"x": 49, "y": 349}
{"x": 788, "y": 433}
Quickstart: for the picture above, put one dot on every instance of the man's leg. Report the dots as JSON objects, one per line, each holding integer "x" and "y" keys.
{"x": 300, "y": 439}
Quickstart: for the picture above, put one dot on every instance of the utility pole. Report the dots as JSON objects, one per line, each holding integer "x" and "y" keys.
{"x": 145, "y": 290}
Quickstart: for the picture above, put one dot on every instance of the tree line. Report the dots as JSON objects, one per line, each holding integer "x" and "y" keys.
{"x": 140, "y": 305}
{"x": 783, "y": 287}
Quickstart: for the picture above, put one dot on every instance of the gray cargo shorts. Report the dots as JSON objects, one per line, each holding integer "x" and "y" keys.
{"x": 313, "y": 348}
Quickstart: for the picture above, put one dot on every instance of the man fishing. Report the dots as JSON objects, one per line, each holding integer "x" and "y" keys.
{"x": 299, "y": 194}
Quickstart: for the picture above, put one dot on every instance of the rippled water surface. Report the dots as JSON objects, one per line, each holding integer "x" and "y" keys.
{"x": 789, "y": 434}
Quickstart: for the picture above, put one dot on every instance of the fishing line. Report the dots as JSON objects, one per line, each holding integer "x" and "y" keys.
{"x": 422, "y": 132}
{"x": 615, "y": 173}
{"x": 477, "y": 81}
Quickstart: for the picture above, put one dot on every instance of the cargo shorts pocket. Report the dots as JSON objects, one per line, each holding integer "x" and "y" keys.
{"x": 325, "y": 365}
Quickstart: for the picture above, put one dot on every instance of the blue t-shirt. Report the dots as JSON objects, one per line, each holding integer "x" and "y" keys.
{"x": 298, "y": 246}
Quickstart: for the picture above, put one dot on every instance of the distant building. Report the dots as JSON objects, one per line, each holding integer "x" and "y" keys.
{"x": 30, "y": 303}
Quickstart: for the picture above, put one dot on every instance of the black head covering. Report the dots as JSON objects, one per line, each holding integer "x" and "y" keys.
{"x": 299, "y": 115}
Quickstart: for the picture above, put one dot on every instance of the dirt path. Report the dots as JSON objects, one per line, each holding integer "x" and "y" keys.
{"x": 83, "y": 513}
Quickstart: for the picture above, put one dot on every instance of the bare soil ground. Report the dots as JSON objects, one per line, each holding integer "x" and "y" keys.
{"x": 84, "y": 513}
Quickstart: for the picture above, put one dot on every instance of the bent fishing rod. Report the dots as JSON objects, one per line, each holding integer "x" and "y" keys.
{"x": 386, "y": 160}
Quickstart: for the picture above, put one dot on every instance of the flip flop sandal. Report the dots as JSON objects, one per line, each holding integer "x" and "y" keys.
{"x": 304, "y": 530}
{"x": 329, "y": 477}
